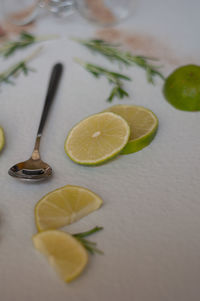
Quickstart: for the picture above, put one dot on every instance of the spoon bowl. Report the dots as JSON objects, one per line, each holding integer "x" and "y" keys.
{"x": 31, "y": 170}
{"x": 35, "y": 169}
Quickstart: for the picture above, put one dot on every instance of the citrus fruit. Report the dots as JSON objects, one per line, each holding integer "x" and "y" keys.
{"x": 143, "y": 125}
{"x": 64, "y": 206}
{"x": 182, "y": 88}
{"x": 2, "y": 138}
{"x": 97, "y": 138}
{"x": 64, "y": 252}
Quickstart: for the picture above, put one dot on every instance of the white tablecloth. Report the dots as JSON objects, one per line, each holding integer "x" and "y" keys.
{"x": 151, "y": 211}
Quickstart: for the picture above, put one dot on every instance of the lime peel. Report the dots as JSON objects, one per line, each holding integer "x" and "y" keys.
{"x": 97, "y": 138}
{"x": 143, "y": 124}
{"x": 2, "y": 138}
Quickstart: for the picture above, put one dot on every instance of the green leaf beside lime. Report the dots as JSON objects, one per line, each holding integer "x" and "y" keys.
{"x": 182, "y": 88}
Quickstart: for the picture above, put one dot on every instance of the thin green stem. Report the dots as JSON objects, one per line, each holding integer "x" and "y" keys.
{"x": 87, "y": 233}
{"x": 112, "y": 77}
{"x": 14, "y": 70}
{"x": 89, "y": 245}
{"x": 25, "y": 40}
{"x": 114, "y": 53}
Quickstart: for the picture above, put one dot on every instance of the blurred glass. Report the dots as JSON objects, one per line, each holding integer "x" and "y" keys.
{"x": 105, "y": 12}
{"x": 61, "y": 8}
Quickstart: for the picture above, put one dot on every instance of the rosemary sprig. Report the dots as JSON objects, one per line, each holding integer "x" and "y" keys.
{"x": 89, "y": 245}
{"x": 14, "y": 70}
{"x": 112, "y": 77}
{"x": 25, "y": 40}
{"x": 114, "y": 53}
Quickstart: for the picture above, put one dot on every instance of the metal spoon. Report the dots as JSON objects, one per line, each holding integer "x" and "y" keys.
{"x": 35, "y": 169}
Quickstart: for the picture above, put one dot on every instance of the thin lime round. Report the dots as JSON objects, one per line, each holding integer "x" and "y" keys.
{"x": 182, "y": 88}
{"x": 143, "y": 125}
{"x": 97, "y": 138}
{"x": 2, "y": 138}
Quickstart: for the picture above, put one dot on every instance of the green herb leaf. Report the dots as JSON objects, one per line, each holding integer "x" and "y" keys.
{"x": 89, "y": 245}
{"x": 25, "y": 40}
{"x": 114, "y": 53}
{"x": 21, "y": 67}
{"x": 112, "y": 77}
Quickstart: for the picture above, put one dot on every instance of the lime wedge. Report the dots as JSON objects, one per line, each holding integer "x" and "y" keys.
{"x": 64, "y": 252}
{"x": 97, "y": 138}
{"x": 143, "y": 125}
{"x": 64, "y": 206}
{"x": 2, "y": 138}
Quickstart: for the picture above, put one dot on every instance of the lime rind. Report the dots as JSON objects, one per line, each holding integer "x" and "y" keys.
{"x": 2, "y": 139}
{"x": 105, "y": 158}
{"x": 139, "y": 143}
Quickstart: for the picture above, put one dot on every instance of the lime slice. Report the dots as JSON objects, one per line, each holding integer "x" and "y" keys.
{"x": 97, "y": 138}
{"x": 64, "y": 206}
{"x": 182, "y": 88}
{"x": 143, "y": 124}
{"x": 63, "y": 251}
{"x": 2, "y": 138}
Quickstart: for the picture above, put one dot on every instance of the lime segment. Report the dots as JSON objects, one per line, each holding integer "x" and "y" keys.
{"x": 64, "y": 206}
{"x": 2, "y": 138}
{"x": 63, "y": 251}
{"x": 143, "y": 125}
{"x": 97, "y": 138}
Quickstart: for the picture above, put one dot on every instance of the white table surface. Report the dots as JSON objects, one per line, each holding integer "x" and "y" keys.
{"x": 151, "y": 211}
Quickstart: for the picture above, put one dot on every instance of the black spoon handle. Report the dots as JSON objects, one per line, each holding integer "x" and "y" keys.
{"x": 52, "y": 88}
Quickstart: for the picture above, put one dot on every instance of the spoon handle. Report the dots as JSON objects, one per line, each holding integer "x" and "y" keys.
{"x": 52, "y": 88}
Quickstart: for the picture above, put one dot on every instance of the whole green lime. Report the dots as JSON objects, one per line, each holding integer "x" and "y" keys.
{"x": 182, "y": 88}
